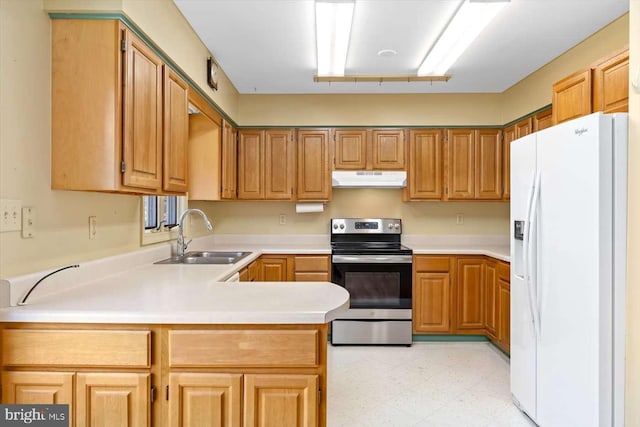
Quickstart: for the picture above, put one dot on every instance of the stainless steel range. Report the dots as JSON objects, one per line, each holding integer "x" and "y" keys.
{"x": 368, "y": 259}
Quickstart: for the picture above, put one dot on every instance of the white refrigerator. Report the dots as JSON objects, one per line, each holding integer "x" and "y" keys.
{"x": 568, "y": 261}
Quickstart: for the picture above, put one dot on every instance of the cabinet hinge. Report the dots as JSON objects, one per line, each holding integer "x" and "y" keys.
{"x": 123, "y": 45}
{"x": 152, "y": 394}
{"x": 167, "y": 393}
{"x": 123, "y": 166}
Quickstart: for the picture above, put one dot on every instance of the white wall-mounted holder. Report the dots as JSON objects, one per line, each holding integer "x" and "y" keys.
{"x": 635, "y": 82}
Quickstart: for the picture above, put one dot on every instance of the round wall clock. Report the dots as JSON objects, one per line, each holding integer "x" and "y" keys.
{"x": 212, "y": 73}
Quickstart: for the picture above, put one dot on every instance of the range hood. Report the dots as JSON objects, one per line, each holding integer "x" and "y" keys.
{"x": 369, "y": 179}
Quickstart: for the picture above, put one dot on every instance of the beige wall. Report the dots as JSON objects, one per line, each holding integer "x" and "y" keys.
{"x": 370, "y": 110}
{"x": 633, "y": 279}
{"x": 535, "y": 91}
{"x": 418, "y": 217}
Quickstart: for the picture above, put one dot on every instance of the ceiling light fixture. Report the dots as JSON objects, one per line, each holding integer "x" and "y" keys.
{"x": 333, "y": 28}
{"x": 470, "y": 19}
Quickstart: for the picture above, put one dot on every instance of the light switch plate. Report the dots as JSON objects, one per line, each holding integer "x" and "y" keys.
{"x": 28, "y": 223}
{"x": 10, "y": 215}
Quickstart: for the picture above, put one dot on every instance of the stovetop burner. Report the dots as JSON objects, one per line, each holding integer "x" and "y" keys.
{"x": 362, "y": 236}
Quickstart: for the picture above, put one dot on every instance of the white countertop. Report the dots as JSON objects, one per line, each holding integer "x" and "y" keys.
{"x": 143, "y": 292}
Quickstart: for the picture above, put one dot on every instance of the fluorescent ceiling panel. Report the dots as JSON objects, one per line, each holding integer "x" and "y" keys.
{"x": 333, "y": 28}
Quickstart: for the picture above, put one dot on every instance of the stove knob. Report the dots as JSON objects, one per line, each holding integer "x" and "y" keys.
{"x": 390, "y": 226}
{"x": 341, "y": 226}
{"x": 397, "y": 226}
{"x": 335, "y": 226}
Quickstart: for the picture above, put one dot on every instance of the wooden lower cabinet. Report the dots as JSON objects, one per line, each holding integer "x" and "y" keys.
{"x": 205, "y": 399}
{"x": 491, "y": 298}
{"x": 504, "y": 322}
{"x": 280, "y": 400}
{"x": 276, "y": 268}
{"x": 251, "y": 273}
{"x": 113, "y": 398}
{"x": 432, "y": 294}
{"x": 311, "y": 268}
{"x": 470, "y": 296}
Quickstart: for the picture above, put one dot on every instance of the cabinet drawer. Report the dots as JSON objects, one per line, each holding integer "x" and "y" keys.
{"x": 504, "y": 271}
{"x": 311, "y": 277}
{"x": 76, "y": 348}
{"x": 432, "y": 263}
{"x": 239, "y": 348}
{"x": 312, "y": 263}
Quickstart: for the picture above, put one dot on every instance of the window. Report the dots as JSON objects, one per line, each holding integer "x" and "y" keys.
{"x": 160, "y": 216}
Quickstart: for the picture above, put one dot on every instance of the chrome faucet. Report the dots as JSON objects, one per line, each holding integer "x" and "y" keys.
{"x": 180, "y": 241}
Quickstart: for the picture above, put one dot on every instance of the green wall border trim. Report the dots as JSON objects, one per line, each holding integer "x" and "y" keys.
{"x": 165, "y": 58}
{"x": 374, "y": 127}
{"x": 526, "y": 116}
{"x": 450, "y": 338}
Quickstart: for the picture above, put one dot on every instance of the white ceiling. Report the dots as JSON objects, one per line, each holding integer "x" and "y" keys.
{"x": 268, "y": 46}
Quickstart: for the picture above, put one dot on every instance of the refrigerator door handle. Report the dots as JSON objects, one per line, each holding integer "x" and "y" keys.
{"x": 525, "y": 249}
{"x": 533, "y": 287}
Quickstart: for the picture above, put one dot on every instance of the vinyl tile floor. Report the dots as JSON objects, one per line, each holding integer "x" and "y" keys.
{"x": 425, "y": 385}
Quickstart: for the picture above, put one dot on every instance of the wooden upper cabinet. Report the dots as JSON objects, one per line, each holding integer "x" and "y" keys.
{"x": 425, "y": 164}
{"x": 461, "y": 164}
{"x": 388, "y": 149}
{"x": 266, "y": 164}
{"x": 350, "y": 149}
{"x": 229, "y": 161}
{"x": 314, "y": 165}
{"x": 279, "y": 166}
{"x": 508, "y": 136}
{"x": 112, "y": 110}
{"x": 572, "y": 96}
{"x": 251, "y": 164}
{"x": 176, "y": 133}
{"x": 142, "y": 118}
{"x": 543, "y": 120}
{"x": 611, "y": 83}
{"x": 488, "y": 179}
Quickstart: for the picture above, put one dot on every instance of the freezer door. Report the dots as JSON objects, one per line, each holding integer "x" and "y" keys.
{"x": 523, "y": 341}
{"x": 574, "y": 270}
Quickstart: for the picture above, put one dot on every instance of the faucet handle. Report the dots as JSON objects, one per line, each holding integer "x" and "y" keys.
{"x": 187, "y": 243}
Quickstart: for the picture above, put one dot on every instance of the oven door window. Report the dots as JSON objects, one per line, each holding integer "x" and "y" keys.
{"x": 375, "y": 285}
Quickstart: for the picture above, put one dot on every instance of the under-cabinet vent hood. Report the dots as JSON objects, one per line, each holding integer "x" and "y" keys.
{"x": 369, "y": 179}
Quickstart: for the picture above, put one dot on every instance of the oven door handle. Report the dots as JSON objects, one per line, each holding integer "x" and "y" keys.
{"x": 371, "y": 259}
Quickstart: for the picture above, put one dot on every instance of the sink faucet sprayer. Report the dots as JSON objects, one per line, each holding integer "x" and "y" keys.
{"x": 180, "y": 241}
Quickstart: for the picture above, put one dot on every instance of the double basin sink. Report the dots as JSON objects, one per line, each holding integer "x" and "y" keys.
{"x": 206, "y": 257}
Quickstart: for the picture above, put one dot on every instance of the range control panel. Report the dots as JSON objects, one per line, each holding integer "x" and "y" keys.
{"x": 366, "y": 225}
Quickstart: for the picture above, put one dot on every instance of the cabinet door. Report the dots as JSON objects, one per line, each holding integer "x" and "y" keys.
{"x": 176, "y": 133}
{"x": 244, "y": 275}
{"x": 388, "y": 149}
{"x": 142, "y": 116}
{"x": 279, "y": 165}
{"x": 460, "y": 164}
{"x": 314, "y": 166}
{"x": 431, "y": 302}
{"x": 229, "y": 161}
{"x": 488, "y": 157}
{"x": 280, "y": 400}
{"x": 254, "y": 271}
{"x": 38, "y": 388}
{"x": 274, "y": 268}
{"x": 251, "y": 165}
{"x": 350, "y": 149}
{"x": 572, "y": 96}
{"x": 470, "y": 295}
{"x": 508, "y": 136}
{"x": 504, "y": 320}
{"x": 116, "y": 399}
{"x": 205, "y": 399}
{"x": 611, "y": 84}
{"x": 311, "y": 268}
{"x": 543, "y": 120}
{"x": 491, "y": 299}
{"x": 425, "y": 164}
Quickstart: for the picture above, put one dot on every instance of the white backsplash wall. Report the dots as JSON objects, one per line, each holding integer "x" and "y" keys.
{"x": 244, "y": 217}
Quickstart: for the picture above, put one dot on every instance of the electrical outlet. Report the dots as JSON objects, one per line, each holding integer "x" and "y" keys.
{"x": 459, "y": 219}
{"x": 283, "y": 219}
{"x": 92, "y": 227}
{"x": 28, "y": 223}
{"x": 10, "y": 215}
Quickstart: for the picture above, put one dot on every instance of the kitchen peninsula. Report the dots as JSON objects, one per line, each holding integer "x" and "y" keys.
{"x": 159, "y": 344}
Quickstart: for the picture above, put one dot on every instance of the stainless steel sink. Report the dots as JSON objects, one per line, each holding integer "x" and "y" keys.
{"x": 206, "y": 257}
